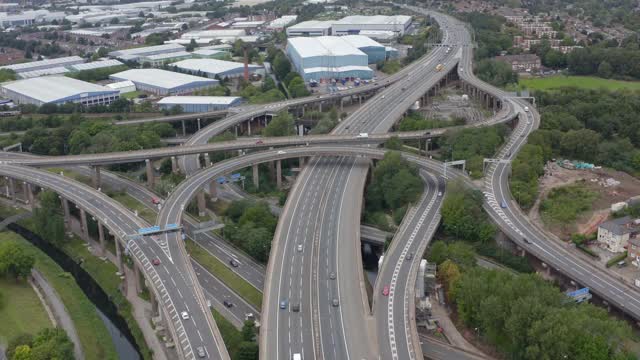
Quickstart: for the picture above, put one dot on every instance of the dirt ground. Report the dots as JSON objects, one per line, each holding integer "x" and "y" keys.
{"x": 594, "y": 180}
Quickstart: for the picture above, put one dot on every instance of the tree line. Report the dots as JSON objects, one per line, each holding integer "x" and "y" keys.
{"x": 597, "y": 126}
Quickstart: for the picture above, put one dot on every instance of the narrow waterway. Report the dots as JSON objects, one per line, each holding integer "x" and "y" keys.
{"x": 124, "y": 342}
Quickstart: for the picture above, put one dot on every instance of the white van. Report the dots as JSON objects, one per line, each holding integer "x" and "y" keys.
{"x": 296, "y": 356}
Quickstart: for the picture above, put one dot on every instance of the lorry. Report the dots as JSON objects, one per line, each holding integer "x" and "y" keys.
{"x": 439, "y": 67}
{"x": 362, "y": 136}
{"x": 296, "y": 356}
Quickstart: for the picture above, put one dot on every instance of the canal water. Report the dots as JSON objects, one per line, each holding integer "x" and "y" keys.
{"x": 121, "y": 336}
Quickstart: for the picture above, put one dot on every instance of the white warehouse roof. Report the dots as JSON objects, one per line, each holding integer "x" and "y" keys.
{"x": 198, "y": 100}
{"x": 52, "y": 88}
{"x": 96, "y": 65}
{"x": 360, "y": 41}
{"x": 141, "y": 51}
{"x": 159, "y": 78}
{"x": 323, "y": 46}
{"x": 373, "y": 20}
{"x": 43, "y": 72}
{"x": 120, "y": 85}
{"x": 312, "y": 24}
{"x": 212, "y": 66}
{"x": 43, "y": 63}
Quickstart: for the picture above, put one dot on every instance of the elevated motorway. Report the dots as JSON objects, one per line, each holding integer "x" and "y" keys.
{"x": 240, "y": 144}
{"x": 173, "y": 287}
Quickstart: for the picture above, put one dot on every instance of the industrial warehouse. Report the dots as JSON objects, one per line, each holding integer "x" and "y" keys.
{"x": 327, "y": 57}
{"x": 353, "y": 25}
{"x": 58, "y": 90}
{"x": 212, "y": 68}
{"x": 162, "y": 82}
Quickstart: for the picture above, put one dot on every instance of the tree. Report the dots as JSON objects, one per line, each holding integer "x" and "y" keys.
{"x": 14, "y": 343}
{"x": 463, "y": 216}
{"x": 52, "y": 344}
{"x": 248, "y": 351}
{"x": 22, "y": 352}
{"x": 395, "y": 184}
{"x": 268, "y": 84}
{"x": 281, "y": 65}
{"x": 248, "y": 331}
{"x": 297, "y": 88}
{"x": 48, "y": 221}
{"x": 192, "y": 45}
{"x": 496, "y": 72}
{"x": 449, "y": 274}
{"x": 605, "y": 70}
{"x": 281, "y": 125}
{"x": 14, "y": 261}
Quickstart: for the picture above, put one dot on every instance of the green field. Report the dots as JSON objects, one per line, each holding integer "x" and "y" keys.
{"x": 22, "y": 312}
{"x": 584, "y": 82}
{"x": 95, "y": 339}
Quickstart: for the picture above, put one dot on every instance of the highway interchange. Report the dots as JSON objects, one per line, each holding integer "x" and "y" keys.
{"x": 318, "y": 230}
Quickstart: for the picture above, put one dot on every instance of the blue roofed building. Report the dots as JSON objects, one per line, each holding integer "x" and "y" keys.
{"x": 58, "y": 90}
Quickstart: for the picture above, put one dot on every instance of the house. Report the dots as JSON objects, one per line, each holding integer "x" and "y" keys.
{"x": 614, "y": 235}
{"x": 522, "y": 62}
{"x": 633, "y": 249}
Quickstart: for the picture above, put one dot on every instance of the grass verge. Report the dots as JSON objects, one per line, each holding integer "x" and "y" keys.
{"x": 231, "y": 336}
{"x": 222, "y": 272}
{"x": 21, "y": 311}
{"x": 135, "y": 205}
{"x": 584, "y": 82}
{"x": 93, "y": 334}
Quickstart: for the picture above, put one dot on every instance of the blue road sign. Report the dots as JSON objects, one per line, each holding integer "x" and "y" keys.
{"x": 578, "y": 293}
{"x": 148, "y": 230}
{"x": 171, "y": 227}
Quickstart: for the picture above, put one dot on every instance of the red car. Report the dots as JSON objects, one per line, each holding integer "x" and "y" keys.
{"x": 155, "y": 262}
{"x": 155, "y": 201}
{"x": 259, "y": 142}
{"x": 385, "y": 290}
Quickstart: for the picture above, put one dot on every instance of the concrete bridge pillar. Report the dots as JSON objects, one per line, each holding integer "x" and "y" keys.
{"x": 547, "y": 268}
{"x": 213, "y": 190}
{"x": 136, "y": 275}
{"x": 83, "y": 223}
{"x": 25, "y": 195}
{"x": 101, "y": 237}
{"x": 95, "y": 176}
{"x": 184, "y": 128}
{"x": 12, "y": 190}
{"x": 249, "y": 127}
{"x": 320, "y": 106}
{"x": 66, "y": 212}
{"x": 256, "y": 177}
{"x": 279, "y": 173}
{"x": 174, "y": 165}
{"x": 198, "y": 120}
{"x": 235, "y": 128}
{"x": 202, "y": 203}
{"x": 31, "y": 196}
{"x": 301, "y": 162}
{"x": 120, "y": 264}
{"x": 207, "y": 160}
{"x": 155, "y": 310}
{"x": 150, "y": 174}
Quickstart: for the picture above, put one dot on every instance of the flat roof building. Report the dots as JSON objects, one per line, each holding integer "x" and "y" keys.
{"x": 136, "y": 53}
{"x": 282, "y": 22}
{"x": 95, "y": 65}
{"x": 44, "y": 64}
{"x": 163, "y": 82}
{"x": 207, "y": 36}
{"x": 352, "y": 25}
{"x": 211, "y": 67}
{"x": 123, "y": 86}
{"x": 161, "y": 59}
{"x": 193, "y": 104}
{"x": 327, "y": 57}
{"x": 310, "y": 28}
{"x": 58, "y": 90}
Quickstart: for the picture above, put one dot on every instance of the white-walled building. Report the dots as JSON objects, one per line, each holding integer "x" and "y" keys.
{"x": 352, "y": 25}
{"x": 614, "y": 234}
{"x": 163, "y": 82}
{"x": 310, "y": 28}
{"x": 196, "y": 104}
{"x": 212, "y": 67}
{"x": 58, "y": 90}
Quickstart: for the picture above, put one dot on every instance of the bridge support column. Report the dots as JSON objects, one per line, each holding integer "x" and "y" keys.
{"x": 256, "y": 177}
{"x": 249, "y": 127}
{"x": 320, "y": 106}
{"x": 83, "y": 224}
{"x": 12, "y": 190}
{"x": 301, "y": 162}
{"x": 174, "y": 165}
{"x": 31, "y": 196}
{"x": 95, "y": 176}
{"x": 198, "y": 120}
{"x": 202, "y": 203}
{"x": 547, "y": 269}
{"x": 66, "y": 212}
{"x": 235, "y": 128}
{"x": 25, "y": 195}
{"x": 154, "y": 305}
{"x": 101, "y": 237}
{"x": 279, "y": 173}
{"x": 120, "y": 264}
{"x": 184, "y": 129}
{"x": 207, "y": 160}
{"x": 137, "y": 281}
{"x": 150, "y": 174}
{"x": 213, "y": 190}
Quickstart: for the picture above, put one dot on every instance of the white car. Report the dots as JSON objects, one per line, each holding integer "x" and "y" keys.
{"x": 439, "y": 193}
{"x": 299, "y": 247}
{"x": 185, "y": 315}
{"x": 281, "y": 152}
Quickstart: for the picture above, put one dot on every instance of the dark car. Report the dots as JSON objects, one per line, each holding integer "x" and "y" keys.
{"x": 527, "y": 240}
{"x": 295, "y": 307}
{"x": 227, "y": 303}
{"x": 233, "y": 263}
